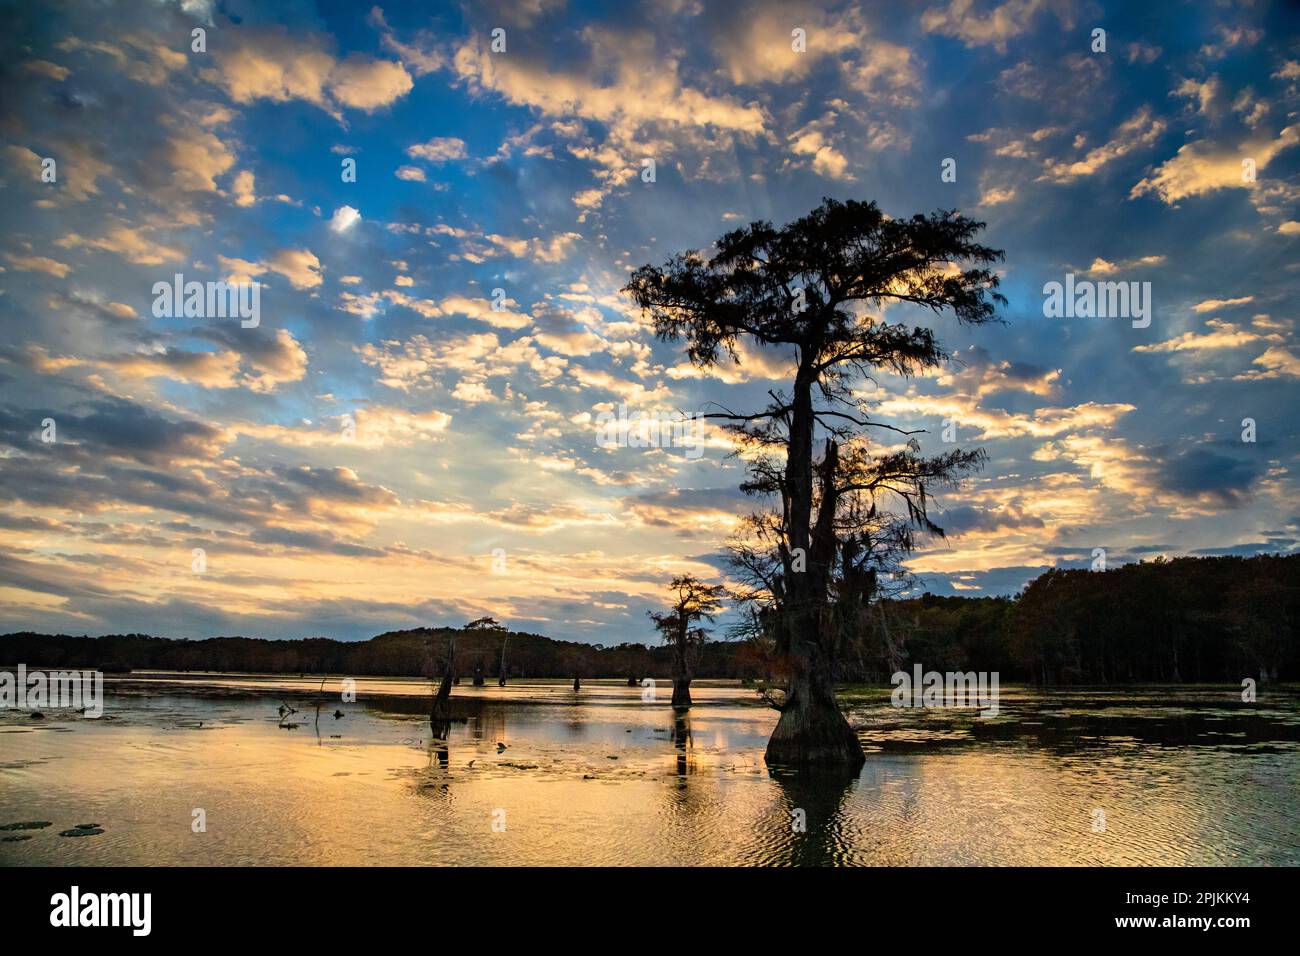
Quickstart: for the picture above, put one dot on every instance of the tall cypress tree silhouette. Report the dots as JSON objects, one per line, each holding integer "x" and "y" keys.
{"x": 816, "y": 558}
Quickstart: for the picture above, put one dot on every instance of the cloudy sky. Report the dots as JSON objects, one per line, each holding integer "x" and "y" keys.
{"x": 386, "y": 450}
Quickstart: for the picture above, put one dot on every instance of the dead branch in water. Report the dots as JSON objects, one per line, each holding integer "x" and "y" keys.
{"x": 440, "y": 713}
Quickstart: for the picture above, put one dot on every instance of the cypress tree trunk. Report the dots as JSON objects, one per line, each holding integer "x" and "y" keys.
{"x": 682, "y": 675}
{"x": 812, "y": 731}
{"x": 681, "y": 694}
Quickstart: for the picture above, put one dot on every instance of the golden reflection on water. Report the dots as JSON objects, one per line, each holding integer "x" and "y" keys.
{"x": 603, "y": 778}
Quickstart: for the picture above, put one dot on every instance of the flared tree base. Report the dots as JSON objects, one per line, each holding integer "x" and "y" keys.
{"x": 681, "y": 695}
{"x": 814, "y": 735}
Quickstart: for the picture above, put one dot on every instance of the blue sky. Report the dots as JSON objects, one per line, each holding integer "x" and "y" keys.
{"x": 470, "y": 481}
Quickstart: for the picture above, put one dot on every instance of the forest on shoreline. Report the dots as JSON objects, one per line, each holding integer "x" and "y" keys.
{"x": 1177, "y": 620}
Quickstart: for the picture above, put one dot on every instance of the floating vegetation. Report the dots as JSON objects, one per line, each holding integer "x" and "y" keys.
{"x": 82, "y": 830}
{"x": 28, "y": 825}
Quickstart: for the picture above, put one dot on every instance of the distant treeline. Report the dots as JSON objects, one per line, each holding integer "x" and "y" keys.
{"x": 393, "y": 654}
{"x": 1186, "y": 619}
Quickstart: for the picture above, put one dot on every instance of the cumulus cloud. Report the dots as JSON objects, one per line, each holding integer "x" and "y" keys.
{"x": 197, "y": 158}
{"x": 1140, "y": 130}
{"x": 992, "y": 27}
{"x": 243, "y": 189}
{"x": 479, "y": 247}
{"x": 371, "y": 427}
{"x": 138, "y": 245}
{"x": 440, "y": 149}
{"x": 826, "y": 159}
{"x": 1222, "y": 335}
{"x": 629, "y": 84}
{"x": 1276, "y": 362}
{"x": 299, "y": 266}
{"x": 1103, "y": 267}
{"x": 39, "y": 264}
{"x": 503, "y": 316}
{"x": 367, "y": 85}
{"x": 344, "y": 218}
{"x": 1204, "y": 166}
{"x": 1214, "y": 305}
{"x": 420, "y": 363}
{"x": 279, "y": 67}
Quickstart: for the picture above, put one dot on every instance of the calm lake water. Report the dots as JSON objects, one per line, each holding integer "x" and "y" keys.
{"x": 1145, "y": 776}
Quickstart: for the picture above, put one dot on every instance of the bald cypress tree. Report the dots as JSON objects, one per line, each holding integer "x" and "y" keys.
{"x": 693, "y": 602}
{"x": 811, "y": 288}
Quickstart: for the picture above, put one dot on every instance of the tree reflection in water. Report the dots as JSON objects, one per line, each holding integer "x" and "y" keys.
{"x": 814, "y": 808}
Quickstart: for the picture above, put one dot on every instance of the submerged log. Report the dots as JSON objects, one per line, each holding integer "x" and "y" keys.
{"x": 440, "y": 713}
